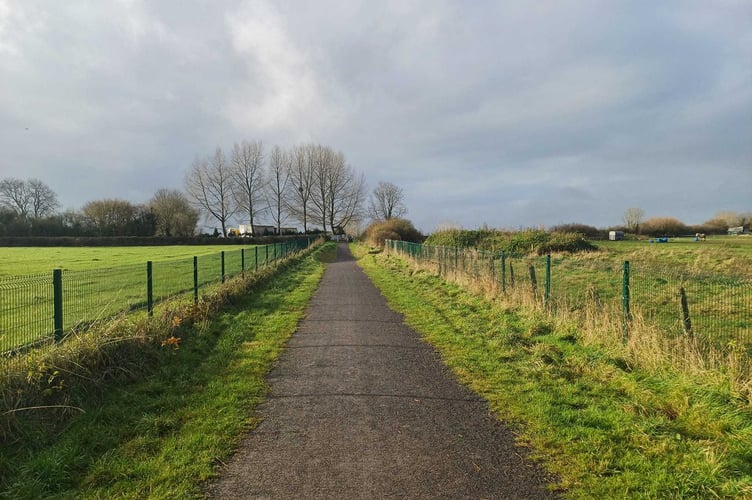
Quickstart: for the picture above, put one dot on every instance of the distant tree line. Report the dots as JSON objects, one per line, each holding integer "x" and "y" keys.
{"x": 309, "y": 184}
{"x": 29, "y": 208}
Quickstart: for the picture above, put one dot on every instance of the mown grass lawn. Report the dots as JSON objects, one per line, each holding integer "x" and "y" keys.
{"x": 606, "y": 428}
{"x": 99, "y": 282}
{"x": 15, "y": 261}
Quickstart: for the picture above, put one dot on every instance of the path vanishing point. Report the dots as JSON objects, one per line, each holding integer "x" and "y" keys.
{"x": 360, "y": 407}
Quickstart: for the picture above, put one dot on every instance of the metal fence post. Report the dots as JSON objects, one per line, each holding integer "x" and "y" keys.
{"x": 242, "y": 261}
{"x": 547, "y": 293}
{"x": 266, "y": 251}
{"x": 195, "y": 279}
{"x": 57, "y": 301}
{"x": 255, "y": 266}
{"x": 222, "y": 258}
{"x": 503, "y": 272}
{"x": 149, "y": 289}
{"x": 626, "y": 314}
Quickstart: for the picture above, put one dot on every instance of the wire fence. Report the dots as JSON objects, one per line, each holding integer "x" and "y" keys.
{"x": 40, "y": 309}
{"x": 715, "y": 310}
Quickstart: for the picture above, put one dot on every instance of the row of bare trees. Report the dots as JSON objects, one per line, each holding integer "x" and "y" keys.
{"x": 309, "y": 183}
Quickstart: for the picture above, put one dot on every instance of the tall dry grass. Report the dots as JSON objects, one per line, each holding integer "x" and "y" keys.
{"x": 597, "y": 323}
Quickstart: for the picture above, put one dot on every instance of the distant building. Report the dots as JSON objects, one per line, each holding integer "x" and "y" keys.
{"x": 615, "y": 235}
{"x": 733, "y": 231}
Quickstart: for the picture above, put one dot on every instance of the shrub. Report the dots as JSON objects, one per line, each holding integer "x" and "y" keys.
{"x": 392, "y": 229}
{"x": 664, "y": 226}
{"x": 574, "y": 227}
{"x": 566, "y": 242}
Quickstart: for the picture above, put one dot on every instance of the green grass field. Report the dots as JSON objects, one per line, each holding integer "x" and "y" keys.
{"x": 15, "y": 261}
{"x": 100, "y": 282}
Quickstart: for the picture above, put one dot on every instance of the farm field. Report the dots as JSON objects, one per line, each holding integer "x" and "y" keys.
{"x": 100, "y": 282}
{"x": 15, "y": 261}
{"x": 715, "y": 277}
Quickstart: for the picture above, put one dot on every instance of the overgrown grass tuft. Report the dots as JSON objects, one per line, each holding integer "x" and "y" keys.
{"x": 162, "y": 426}
{"x": 605, "y": 425}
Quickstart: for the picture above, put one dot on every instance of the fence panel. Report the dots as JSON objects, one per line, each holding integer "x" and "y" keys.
{"x": 27, "y": 303}
{"x": 715, "y": 309}
{"x": 26, "y": 310}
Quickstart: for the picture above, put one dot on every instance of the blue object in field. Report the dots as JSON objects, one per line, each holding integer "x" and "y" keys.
{"x": 663, "y": 240}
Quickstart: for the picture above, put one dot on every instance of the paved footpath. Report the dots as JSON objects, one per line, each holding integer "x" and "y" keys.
{"x": 360, "y": 407}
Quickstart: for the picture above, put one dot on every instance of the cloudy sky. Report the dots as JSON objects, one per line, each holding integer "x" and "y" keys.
{"x": 508, "y": 113}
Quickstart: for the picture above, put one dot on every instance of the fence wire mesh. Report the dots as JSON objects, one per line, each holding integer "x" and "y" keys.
{"x": 28, "y": 316}
{"x": 715, "y": 309}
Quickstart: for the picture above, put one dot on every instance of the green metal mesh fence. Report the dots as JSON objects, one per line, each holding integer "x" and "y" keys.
{"x": 715, "y": 309}
{"x": 29, "y": 316}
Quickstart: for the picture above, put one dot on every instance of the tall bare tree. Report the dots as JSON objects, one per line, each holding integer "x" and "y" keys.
{"x": 632, "y": 218}
{"x": 277, "y": 185}
{"x": 28, "y": 199}
{"x": 338, "y": 191}
{"x": 43, "y": 199}
{"x": 174, "y": 214}
{"x": 209, "y": 186}
{"x": 301, "y": 182}
{"x": 248, "y": 178}
{"x": 110, "y": 217}
{"x": 387, "y": 201}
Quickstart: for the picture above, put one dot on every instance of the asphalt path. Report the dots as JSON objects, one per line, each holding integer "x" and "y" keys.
{"x": 361, "y": 407}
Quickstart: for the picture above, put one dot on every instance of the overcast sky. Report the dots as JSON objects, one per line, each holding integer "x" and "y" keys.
{"x": 508, "y": 113}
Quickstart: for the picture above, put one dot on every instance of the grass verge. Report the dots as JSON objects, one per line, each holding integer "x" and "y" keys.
{"x": 163, "y": 435}
{"x": 606, "y": 428}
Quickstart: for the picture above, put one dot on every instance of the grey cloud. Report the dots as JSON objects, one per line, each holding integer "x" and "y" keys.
{"x": 507, "y": 113}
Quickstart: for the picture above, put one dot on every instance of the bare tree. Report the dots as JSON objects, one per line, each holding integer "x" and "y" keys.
{"x": 110, "y": 217}
{"x": 302, "y": 172}
{"x": 338, "y": 191}
{"x": 43, "y": 199}
{"x": 248, "y": 177}
{"x": 209, "y": 186}
{"x": 387, "y": 201}
{"x": 632, "y": 218}
{"x": 15, "y": 196}
{"x": 173, "y": 212}
{"x": 28, "y": 199}
{"x": 277, "y": 183}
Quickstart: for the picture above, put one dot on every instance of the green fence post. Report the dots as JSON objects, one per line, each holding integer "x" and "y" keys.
{"x": 547, "y": 293}
{"x": 266, "y": 258}
{"x": 255, "y": 266}
{"x": 149, "y": 289}
{"x": 195, "y": 279}
{"x": 626, "y": 314}
{"x": 242, "y": 261}
{"x": 222, "y": 258}
{"x": 57, "y": 301}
